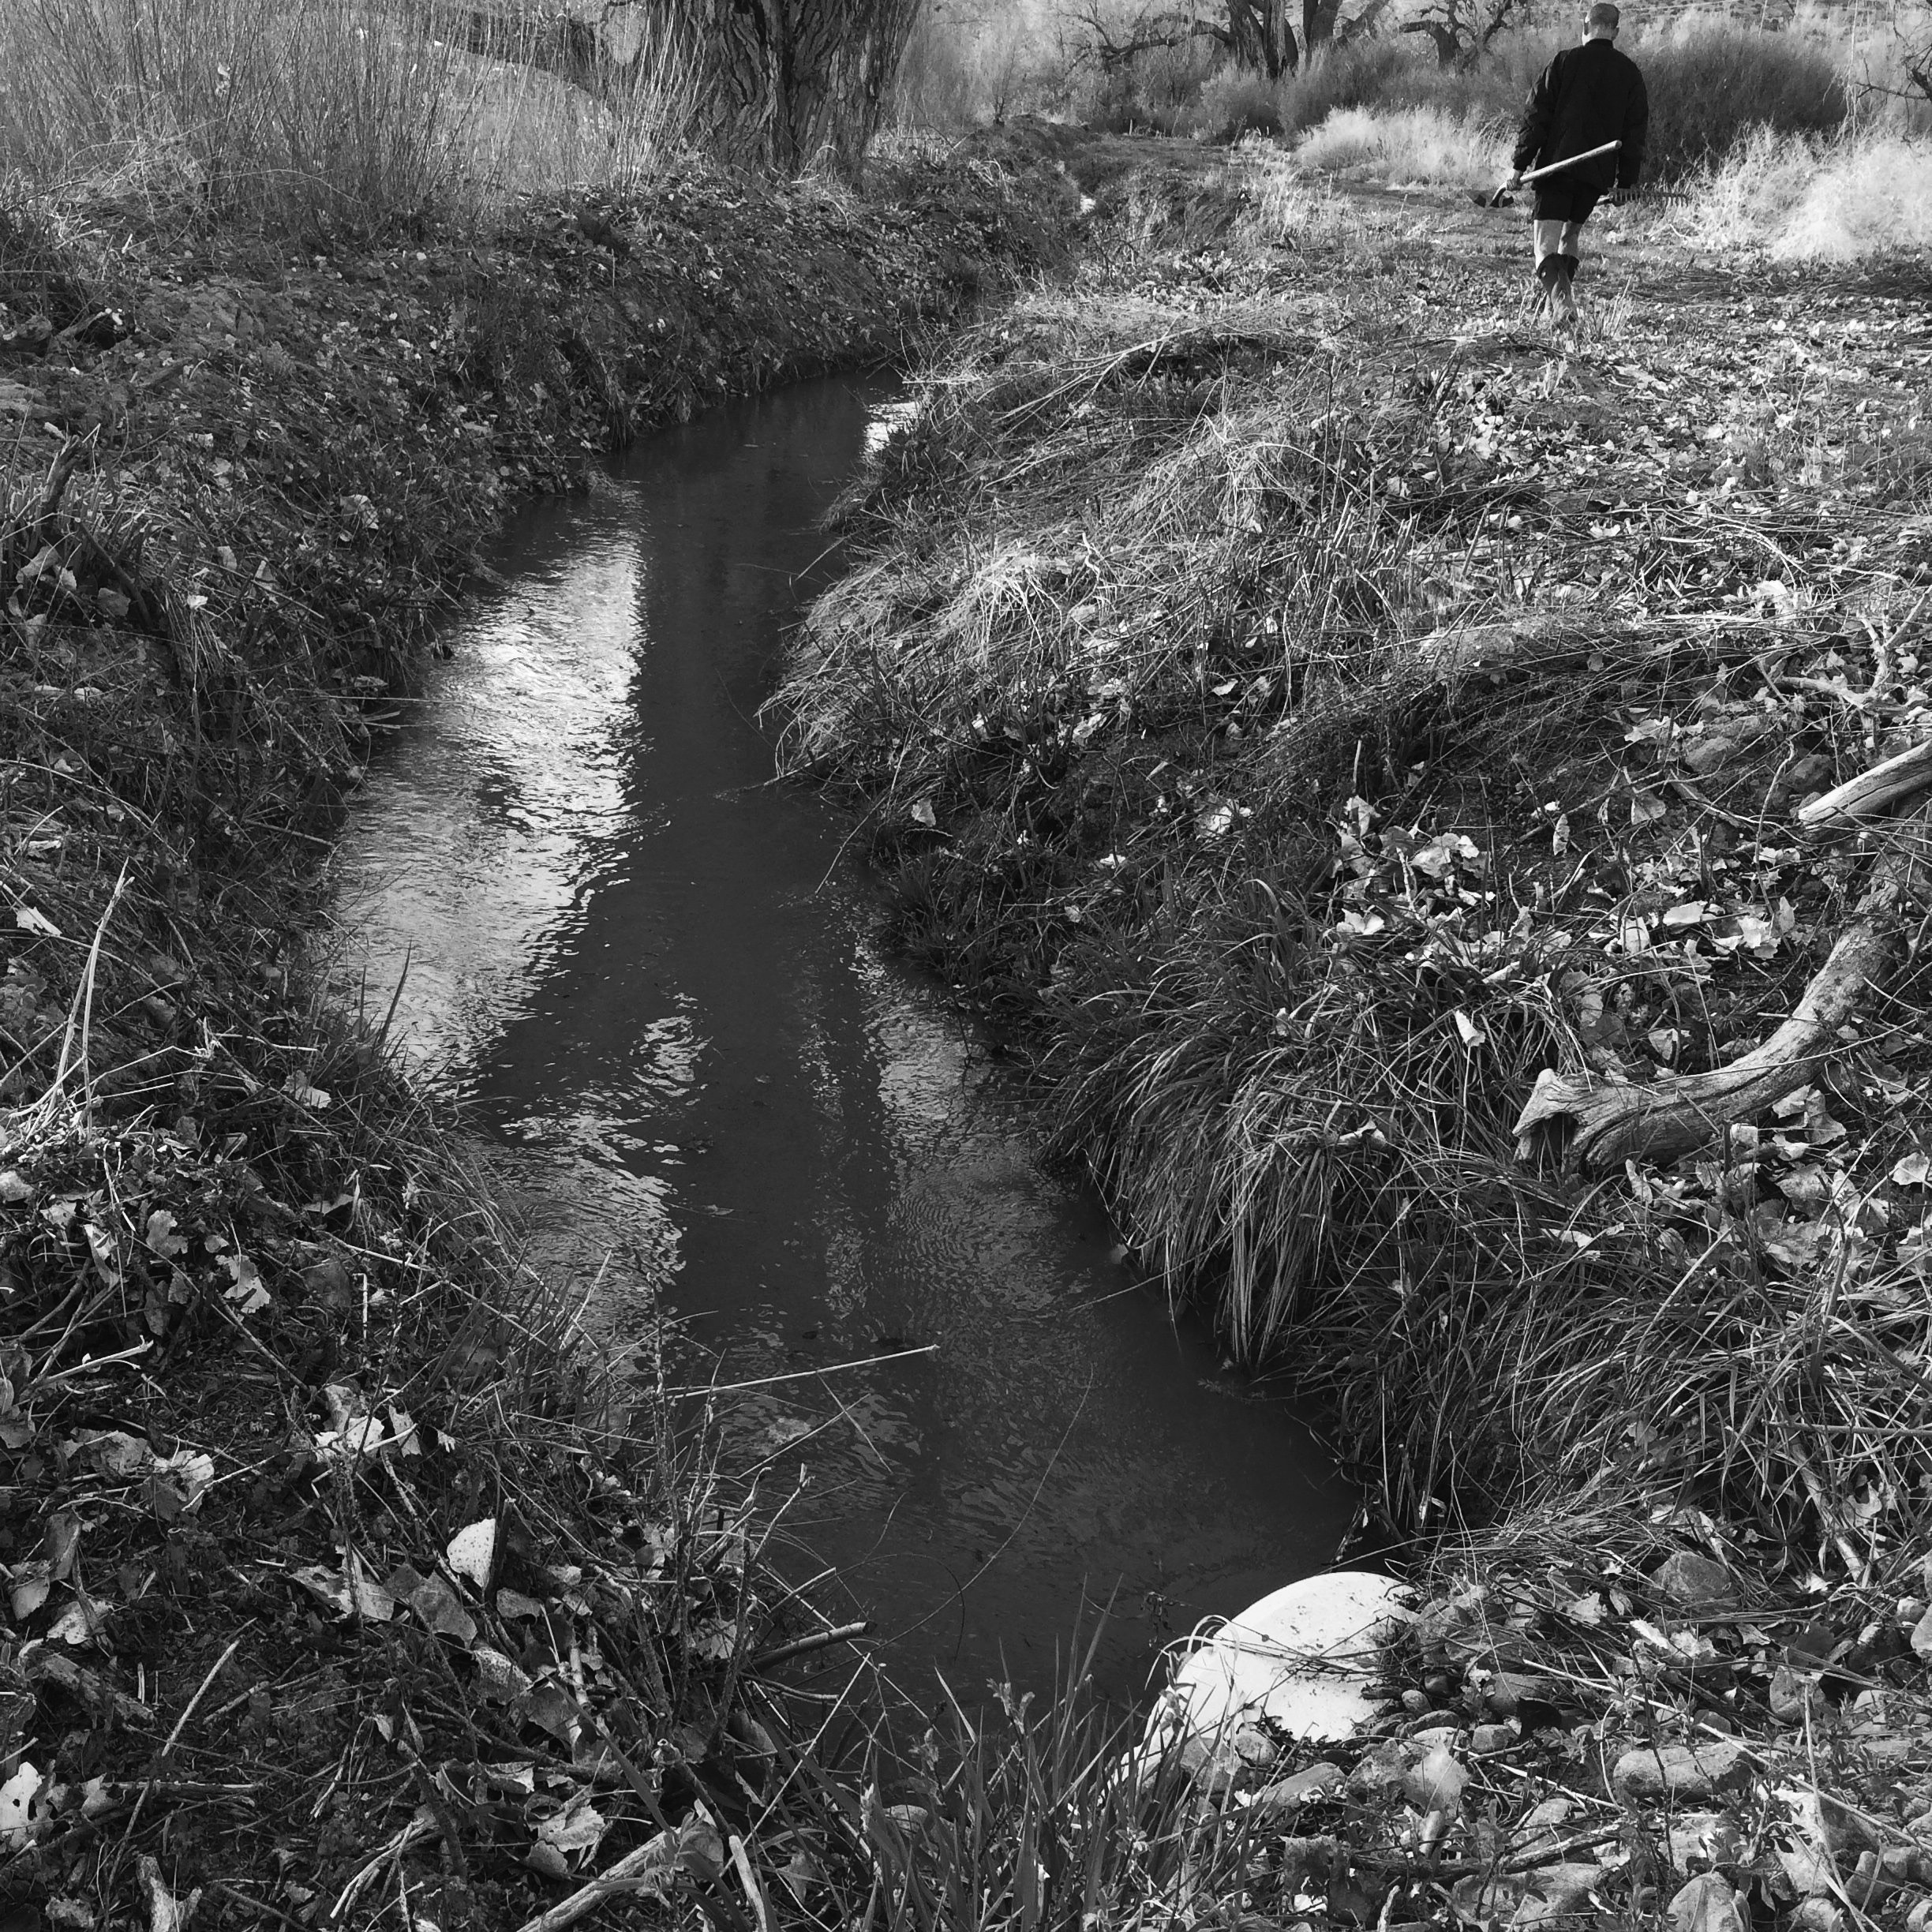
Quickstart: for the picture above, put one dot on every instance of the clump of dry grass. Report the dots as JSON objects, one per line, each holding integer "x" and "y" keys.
{"x": 1838, "y": 200}
{"x": 1406, "y": 145}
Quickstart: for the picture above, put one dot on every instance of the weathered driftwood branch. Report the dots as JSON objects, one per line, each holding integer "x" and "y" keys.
{"x": 1610, "y": 1122}
{"x": 1870, "y": 793}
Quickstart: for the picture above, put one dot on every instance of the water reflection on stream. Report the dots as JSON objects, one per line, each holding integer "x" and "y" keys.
{"x": 648, "y": 968}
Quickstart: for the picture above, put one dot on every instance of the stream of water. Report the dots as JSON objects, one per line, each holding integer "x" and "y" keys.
{"x": 648, "y": 969}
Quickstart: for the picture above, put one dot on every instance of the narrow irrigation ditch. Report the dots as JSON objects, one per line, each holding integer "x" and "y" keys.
{"x": 650, "y": 972}
{"x": 317, "y": 1508}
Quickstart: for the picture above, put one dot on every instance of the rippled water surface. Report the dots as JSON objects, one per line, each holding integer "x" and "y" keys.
{"x": 650, "y": 970}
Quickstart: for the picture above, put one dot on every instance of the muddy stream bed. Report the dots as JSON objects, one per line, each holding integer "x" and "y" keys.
{"x": 650, "y": 972}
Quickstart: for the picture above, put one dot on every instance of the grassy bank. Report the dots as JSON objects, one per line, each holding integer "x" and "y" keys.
{"x": 344, "y": 1576}
{"x": 1320, "y": 713}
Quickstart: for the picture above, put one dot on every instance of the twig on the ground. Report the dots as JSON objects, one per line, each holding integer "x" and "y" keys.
{"x": 804, "y": 1646}
{"x": 650, "y": 1867}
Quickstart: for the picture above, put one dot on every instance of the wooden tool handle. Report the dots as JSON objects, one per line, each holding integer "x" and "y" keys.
{"x": 1588, "y": 154}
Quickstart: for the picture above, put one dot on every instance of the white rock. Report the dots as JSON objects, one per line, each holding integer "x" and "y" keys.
{"x": 1304, "y": 1658}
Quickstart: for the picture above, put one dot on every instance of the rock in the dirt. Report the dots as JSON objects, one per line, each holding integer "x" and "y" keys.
{"x": 1700, "y": 1839}
{"x": 1437, "y": 1782}
{"x": 1509, "y": 1693}
{"x": 1793, "y": 1693}
{"x": 1816, "y": 1915}
{"x": 1277, "y": 1803}
{"x": 1486, "y": 1739}
{"x": 1807, "y": 1871}
{"x": 1523, "y": 1899}
{"x": 1555, "y": 1892}
{"x": 1688, "y": 1577}
{"x": 1381, "y": 1773}
{"x": 1708, "y": 1903}
{"x": 1878, "y": 1877}
{"x": 1541, "y": 1827}
{"x": 1822, "y": 1820}
{"x": 1684, "y": 1773}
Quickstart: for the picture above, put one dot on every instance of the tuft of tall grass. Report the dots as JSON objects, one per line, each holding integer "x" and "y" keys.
{"x": 314, "y": 114}
{"x": 1038, "y": 1815}
{"x": 1404, "y": 145}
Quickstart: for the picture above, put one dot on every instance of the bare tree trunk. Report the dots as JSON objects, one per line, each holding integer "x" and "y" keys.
{"x": 1318, "y": 23}
{"x": 787, "y": 82}
{"x": 779, "y": 83}
{"x": 1262, "y": 37}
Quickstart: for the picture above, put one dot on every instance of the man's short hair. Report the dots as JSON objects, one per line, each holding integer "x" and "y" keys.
{"x": 1602, "y": 14}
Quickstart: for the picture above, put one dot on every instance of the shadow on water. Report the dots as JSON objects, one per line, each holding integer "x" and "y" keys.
{"x": 648, "y": 970}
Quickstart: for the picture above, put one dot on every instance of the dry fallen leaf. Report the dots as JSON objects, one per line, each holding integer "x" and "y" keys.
{"x": 472, "y": 1550}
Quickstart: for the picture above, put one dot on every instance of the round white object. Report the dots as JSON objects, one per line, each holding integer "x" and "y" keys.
{"x": 1303, "y": 1658}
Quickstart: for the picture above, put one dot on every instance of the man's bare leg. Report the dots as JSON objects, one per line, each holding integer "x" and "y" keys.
{"x": 1558, "y": 251}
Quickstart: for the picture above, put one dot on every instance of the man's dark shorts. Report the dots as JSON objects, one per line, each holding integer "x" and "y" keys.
{"x": 1559, "y": 202}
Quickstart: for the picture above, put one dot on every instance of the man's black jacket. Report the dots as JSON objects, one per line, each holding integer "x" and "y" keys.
{"x": 1587, "y": 95}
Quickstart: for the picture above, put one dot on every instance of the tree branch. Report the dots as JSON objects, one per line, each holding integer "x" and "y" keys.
{"x": 1607, "y": 1123}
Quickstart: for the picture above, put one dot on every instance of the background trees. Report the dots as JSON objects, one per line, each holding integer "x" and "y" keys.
{"x": 778, "y": 83}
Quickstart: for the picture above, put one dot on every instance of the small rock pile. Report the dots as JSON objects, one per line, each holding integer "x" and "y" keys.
{"x": 1669, "y": 1747}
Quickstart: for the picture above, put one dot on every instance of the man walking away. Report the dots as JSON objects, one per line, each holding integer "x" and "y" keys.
{"x": 1587, "y": 96}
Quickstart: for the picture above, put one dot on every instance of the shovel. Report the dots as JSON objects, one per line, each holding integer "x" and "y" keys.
{"x": 1500, "y": 197}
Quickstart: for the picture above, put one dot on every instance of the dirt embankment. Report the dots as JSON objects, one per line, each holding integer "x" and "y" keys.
{"x": 1372, "y": 750}
{"x": 337, "y": 1571}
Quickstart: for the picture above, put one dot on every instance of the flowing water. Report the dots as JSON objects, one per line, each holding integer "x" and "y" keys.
{"x": 649, "y": 970}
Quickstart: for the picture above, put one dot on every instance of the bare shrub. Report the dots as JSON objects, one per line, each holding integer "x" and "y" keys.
{"x": 1233, "y": 104}
{"x": 1355, "y": 76}
{"x": 317, "y": 110}
{"x": 1710, "y": 83}
{"x": 963, "y": 67}
{"x": 1409, "y": 144}
{"x": 315, "y": 114}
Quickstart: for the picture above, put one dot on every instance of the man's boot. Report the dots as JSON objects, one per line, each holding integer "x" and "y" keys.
{"x": 1552, "y": 271}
